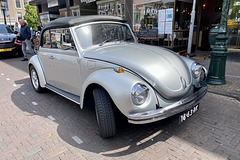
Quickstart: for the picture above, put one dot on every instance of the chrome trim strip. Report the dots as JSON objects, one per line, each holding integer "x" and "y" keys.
{"x": 61, "y": 93}
{"x": 178, "y": 107}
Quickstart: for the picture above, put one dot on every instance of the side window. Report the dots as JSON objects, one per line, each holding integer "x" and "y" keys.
{"x": 67, "y": 40}
{"x": 46, "y": 39}
{"x": 62, "y": 39}
{"x": 56, "y": 38}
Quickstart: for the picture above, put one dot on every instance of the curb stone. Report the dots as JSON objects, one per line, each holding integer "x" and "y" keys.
{"x": 224, "y": 93}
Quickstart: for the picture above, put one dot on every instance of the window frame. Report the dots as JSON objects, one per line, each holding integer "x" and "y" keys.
{"x": 42, "y": 37}
{"x": 19, "y": 4}
{"x": 50, "y": 38}
{"x": 25, "y": 1}
{"x": 21, "y": 15}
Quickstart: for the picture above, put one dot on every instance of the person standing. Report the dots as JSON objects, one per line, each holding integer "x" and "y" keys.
{"x": 40, "y": 26}
{"x": 25, "y": 35}
{"x": 16, "y": 28}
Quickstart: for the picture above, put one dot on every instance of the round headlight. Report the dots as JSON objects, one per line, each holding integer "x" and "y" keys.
{"x": 139, "y": 94}
{"x": 196, "y": 70}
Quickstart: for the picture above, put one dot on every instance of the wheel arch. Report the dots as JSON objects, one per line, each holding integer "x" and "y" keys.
{"x": 88, "y": 93}
{"x": 34, "y": 61}
{"x": 99, "y": 79}
{"x": 118, "y": 86}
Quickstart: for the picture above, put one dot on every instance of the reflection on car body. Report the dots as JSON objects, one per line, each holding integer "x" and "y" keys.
{"x": 98, "y": 58}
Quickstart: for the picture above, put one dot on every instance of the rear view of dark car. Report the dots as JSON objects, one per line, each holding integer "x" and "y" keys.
{"x": 8, "y": 42}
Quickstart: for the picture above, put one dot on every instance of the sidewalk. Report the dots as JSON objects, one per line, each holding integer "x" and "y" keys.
{"x": 232, "y": 88}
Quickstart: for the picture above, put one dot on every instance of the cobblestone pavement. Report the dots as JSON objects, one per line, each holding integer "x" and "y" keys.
{"x": 48, "y": 126}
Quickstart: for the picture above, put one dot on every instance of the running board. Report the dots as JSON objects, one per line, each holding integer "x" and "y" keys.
{"x": 67, "y": 95}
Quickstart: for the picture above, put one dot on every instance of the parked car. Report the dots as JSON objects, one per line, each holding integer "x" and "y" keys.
{"x": 100, "y": 58}
{"x": 8, "y": 41}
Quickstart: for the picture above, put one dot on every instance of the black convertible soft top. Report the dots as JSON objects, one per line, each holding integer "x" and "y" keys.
{"x": 76, "y": 20}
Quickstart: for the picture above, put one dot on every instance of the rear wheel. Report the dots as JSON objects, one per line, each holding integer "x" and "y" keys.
{"x": 104, "y": 113}
{"x": 35, "y": 80}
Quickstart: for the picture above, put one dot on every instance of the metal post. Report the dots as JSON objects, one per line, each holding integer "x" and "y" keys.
{"x": 216, "y": 73}
{"x": 191, "y": 28}
{"x": 9, "y": 20}
{"x": 4, "y": 15}
{"x": 68, "y": 8}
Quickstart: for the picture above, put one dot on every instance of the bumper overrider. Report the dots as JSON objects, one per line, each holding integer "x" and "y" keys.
{"x": 176, "y": 108}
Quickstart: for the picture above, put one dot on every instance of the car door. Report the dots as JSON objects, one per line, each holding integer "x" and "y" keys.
{"x": 44, "y": 53}
{"x": 62, "y": 62}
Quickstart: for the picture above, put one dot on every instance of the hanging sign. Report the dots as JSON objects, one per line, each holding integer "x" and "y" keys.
{"x": 229, "y": 22}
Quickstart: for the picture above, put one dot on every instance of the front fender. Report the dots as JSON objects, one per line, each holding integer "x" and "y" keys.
{"x": 37, "y": 65}
{"x": 118, "y": 86}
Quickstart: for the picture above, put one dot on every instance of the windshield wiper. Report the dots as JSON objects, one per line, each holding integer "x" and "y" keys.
{"x": 127, "y": 39}
{"x": 107, "y": 40}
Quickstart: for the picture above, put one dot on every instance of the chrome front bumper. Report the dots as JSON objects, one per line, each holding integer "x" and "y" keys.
{"x": 178, "y": 107}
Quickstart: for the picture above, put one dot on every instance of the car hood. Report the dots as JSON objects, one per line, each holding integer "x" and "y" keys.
{"x": 6, "y": 37}
{"x": 164, "y": 70}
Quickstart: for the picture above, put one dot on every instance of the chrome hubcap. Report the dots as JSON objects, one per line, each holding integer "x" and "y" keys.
{"x": 34, "y": 79}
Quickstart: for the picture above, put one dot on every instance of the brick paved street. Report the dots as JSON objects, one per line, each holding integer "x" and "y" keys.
{"x": 48, "y": 126}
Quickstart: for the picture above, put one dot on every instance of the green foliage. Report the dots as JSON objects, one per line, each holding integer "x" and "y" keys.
{"x": 31, "y": 16}
{"x": 234, "y": 10}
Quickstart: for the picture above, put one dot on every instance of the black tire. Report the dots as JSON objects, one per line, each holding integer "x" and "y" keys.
{"x": 35, "y": 80}
{"x": 104, "y": 113}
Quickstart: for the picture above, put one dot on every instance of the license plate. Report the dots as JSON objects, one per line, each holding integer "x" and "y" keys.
{"x": 6, "y": 49}
{"x": 188, "y": 113}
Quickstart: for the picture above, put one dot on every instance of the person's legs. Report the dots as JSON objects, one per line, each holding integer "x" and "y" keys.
{"x": 30, "y": 47}
{"x": 24, "y": 50}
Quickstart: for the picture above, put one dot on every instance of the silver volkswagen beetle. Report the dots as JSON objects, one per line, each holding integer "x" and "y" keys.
{"x": 99, "y": 57}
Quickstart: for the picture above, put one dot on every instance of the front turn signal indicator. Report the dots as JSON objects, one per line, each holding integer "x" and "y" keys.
{"x": 119, "y": 70}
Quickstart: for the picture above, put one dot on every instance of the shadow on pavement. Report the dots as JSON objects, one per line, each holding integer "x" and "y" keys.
{"x": 212, "y": 130}
{"x": 72, "y": 121}
{"x": 15, "y": 61}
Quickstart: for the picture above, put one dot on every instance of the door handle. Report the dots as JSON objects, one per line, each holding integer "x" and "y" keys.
{"x": 51, "y": 57}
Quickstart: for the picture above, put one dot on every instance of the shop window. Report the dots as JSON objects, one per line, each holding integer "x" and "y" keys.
{"x": 18, "y": 4}
{"x": 111, "y": 9}
{"x": 183, "y": 15}
{"x": 146, "y": 14}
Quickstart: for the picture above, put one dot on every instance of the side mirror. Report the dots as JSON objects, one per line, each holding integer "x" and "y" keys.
{"x": 15, "y": 32}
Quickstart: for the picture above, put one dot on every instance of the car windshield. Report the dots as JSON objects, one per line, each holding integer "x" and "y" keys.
{"x": 4, "y": 29}
{"x": 99, "y": 34}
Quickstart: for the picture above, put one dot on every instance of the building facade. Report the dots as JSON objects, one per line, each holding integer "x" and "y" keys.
{"x": 52, "y": 9}
{"x": 14, "y": 11}
{"x": 167, "y": 21}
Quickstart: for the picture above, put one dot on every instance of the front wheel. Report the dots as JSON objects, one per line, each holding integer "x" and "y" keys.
{"x": 104, "y": 113}
{"x": 35, "y": 80}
